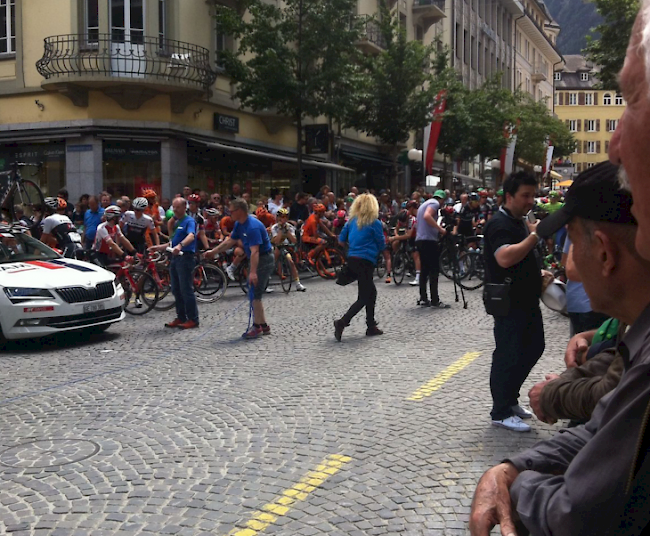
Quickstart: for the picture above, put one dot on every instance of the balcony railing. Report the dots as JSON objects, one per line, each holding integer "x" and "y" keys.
{"x": 371, "y": 32}
{"x": 438, "y": 3}
{"x": 116, "y": 55}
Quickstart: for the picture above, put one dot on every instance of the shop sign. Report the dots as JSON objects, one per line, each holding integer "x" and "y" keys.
{"x": 33, "y": 154}
{"x": 317, "y": 139}
{"x": 132, "y": 151}
{"x": 227, "y": 123}
{"x": 79, "y": 148}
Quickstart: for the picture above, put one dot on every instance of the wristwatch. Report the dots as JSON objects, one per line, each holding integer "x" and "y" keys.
{"x": 534, "y": 233}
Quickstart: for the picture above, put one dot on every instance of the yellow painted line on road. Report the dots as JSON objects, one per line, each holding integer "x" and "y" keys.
{"x": 280, "y": 506}
{"x": 436, "y": 383}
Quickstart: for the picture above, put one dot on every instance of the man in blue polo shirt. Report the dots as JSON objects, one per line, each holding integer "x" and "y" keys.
{"x": 92, "y": 218}
{"x": 182, "y": 267}
{"x": 252, "y": 235}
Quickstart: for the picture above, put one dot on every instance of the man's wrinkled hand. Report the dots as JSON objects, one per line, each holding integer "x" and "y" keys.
{"x": 576, "y": 351}
{"x": 535, "y": 395}
{"x": 491, "y": 505}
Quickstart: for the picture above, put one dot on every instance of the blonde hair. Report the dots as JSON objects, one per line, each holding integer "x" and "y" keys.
{"x": 365, "y": 209}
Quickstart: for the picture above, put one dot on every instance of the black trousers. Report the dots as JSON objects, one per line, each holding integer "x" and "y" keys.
{"x": 364, "y": 270}
{"x": 430, "y": 268}
{"x": 519, "y": 339}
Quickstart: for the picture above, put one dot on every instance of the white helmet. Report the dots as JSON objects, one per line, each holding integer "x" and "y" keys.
{"x": 554, "y": 297}
{"x": 112, "y": 212}
{"x": 140, "y": 203}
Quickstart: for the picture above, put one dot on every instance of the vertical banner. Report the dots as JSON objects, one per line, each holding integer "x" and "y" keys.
{"x": 432, "y": 132}
{"x": 549, "y": 159}
{"x": 508, "y": 152}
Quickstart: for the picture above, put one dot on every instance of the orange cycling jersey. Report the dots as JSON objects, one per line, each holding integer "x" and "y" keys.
{"x": 310, "y": 230}
{"x": 154, "y": 213}
{"x": 267, "y": 219}
{"x": 226, "y": 224}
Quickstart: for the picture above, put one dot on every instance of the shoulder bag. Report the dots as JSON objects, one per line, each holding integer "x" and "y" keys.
{"x": 496, "y": 298}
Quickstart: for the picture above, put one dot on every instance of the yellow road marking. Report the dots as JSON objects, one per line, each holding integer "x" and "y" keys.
{"x": 440, "y": 379}
{"x": 270, "y": 512}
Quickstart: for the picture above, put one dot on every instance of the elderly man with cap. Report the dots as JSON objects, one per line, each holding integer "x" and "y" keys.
{"x": 576, "y": 482}
{"x": 427, "y": 242}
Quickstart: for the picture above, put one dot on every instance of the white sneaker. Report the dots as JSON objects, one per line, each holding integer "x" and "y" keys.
{"x": 230, "y": 270}
{"x": 300, "y": 287}
{"x": 415, "y": 282}
{"x": 514, "y": 424}
{"x": 522, "y": 413}
{"x": 268, "y": 290}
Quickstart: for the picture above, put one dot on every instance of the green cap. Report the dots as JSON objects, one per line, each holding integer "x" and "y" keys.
{"x": 440, "y": 194}
{"x": 554, "y": 194}
{"x": 500, "y": 193}
{"x": 480, "y": 190}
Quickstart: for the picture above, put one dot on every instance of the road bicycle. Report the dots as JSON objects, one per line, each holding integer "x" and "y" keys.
{"x": 157, "y": 266}
{"x": 403, "y": 262}
{"x": 140, "y": 288}
{"x": 25, "y": 194}
{"x": 210, "y": 281}
{"x": 283, "y": 267}
{"x": 330, "y": 260}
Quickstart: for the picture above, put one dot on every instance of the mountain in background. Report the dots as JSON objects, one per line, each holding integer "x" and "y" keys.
{"x": 576, "y": 19}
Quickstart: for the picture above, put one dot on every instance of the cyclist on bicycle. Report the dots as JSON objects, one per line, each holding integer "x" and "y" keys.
{"x": 194, "y": 212}
{"x": 135, "y": 224}
{"x": 407, "y": 219}
{"x": 58, "y": 229}
{"x": 313, "y": 230}
{"x": 109, "y": 242}
{"x": 284, "y": 234}
{"x": 267, "y": 219}
{"x": 153, "y": 210}
{"x": 212, "y": 230}
{"x": 469, "y": 217}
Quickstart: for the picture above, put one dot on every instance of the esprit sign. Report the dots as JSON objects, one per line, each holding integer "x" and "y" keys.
{"x": 226, "y": 123}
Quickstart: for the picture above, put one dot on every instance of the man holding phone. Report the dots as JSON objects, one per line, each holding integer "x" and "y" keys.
{"x": 511, "y": 259}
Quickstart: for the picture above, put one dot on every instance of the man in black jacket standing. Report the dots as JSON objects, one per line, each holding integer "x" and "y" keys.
{"x": 510, "y": 257}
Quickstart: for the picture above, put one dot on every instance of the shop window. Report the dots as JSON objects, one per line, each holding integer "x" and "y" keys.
{"x": 130, "y": 167}
{"x": 7, "y": 26}
{"x": 45, "y": 164}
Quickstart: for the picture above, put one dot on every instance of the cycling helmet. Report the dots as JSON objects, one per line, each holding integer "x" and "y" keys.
{"x": 403, "y": 216}
{"x": 404, "y": 204}
{"x": 149, "y": 193}
{"x": 194, "y": 198}
{"x": 474, "y": 197}
{"x": 449, "y": 210}
{"x": 112, "y": 212}
{"x": 341, "y": 214}
{"x": 212, "y": 212}
{"x": 411, "y": 204}
{"x": 140, "y": 203}
{"x": 282, "y": 212}
{"x": 52, "y": 203}
{"x": 319, "y": 208}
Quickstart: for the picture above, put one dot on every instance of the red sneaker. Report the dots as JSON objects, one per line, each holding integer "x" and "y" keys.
{"x": 266, "y": 330}
{"x": 190, "y": 324}
{"x": 253, "y": 333}
{"x": 174, "y": 323}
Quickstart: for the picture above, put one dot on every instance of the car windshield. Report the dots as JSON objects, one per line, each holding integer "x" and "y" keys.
{"x": 16, "y": 247}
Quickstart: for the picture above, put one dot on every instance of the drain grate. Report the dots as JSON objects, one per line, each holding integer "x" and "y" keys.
{"x": 48, "y": 453}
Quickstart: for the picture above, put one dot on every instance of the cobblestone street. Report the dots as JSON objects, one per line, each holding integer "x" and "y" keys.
{"x": 144, "y": 430}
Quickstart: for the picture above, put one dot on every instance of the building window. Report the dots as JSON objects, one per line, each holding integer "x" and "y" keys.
{"x": 472, "y": 53}
{"x": 590, "y": 125}
{"x": 573, "y": 99}
{"x": 162, "y": 22}
{"x": 591, "y": 147}
{"x": 130, "y": 167}
{"x": 612, "y": 125}
{"x": 607, "y": 99}
{"x": 590, "y": 164}
{"x": 619, "y": 100}
{"x": 480, "y": 58}
{"x": 7, "y": 26}
{"x": 465, "y": 47}
{"x": 457, "y": 40}
{"x": 589, "y": 99}
{"x": 573, "y": 125}
{"x": 584, "y": 77}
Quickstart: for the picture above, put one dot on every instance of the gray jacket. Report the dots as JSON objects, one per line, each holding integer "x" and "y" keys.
{"x": 573, "y": 483}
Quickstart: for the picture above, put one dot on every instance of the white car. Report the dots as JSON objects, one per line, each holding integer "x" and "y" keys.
{"x": 42, "y": 293}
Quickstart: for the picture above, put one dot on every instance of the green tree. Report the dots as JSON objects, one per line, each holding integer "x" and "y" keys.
{"x": 608, "y": 50}
{"x": 536, "y": 125}
{"x": 299, "y": 60}
{"x": 398, "y": 89}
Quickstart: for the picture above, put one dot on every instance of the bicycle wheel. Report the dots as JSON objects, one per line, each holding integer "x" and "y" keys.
{"x": 210, "y": 282}
{"x": 29, "y": 197}
{"x": 476, "y": 276}
{"x": 329, "y": 262}
{"x": 140, "y": 292}
{"x": 166, "y": 299}
{"x": 446, "y": 268}
{"x": 381, "y": 266}
{"x": 284, "y": 273}
{"x": 399, "y": 268}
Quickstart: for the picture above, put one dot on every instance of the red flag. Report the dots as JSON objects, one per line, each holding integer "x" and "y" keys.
{"x": 432, "y": 132}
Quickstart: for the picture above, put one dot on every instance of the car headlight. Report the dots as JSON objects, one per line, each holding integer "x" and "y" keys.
{"x": 21, "y": 293}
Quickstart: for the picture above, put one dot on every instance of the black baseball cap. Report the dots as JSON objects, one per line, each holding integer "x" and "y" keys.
{"x": 594, "y": 195}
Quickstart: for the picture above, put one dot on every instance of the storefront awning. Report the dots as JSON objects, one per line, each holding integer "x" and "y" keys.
{"x": 271, "y": 156}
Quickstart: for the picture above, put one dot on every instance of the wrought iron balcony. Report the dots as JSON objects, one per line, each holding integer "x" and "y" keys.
{"x": 372, "y": 41}
{"x": 75, "y": 63}
{"x": 428, "y": 12}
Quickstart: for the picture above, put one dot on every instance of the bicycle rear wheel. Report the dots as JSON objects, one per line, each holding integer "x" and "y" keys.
{"x": 284, "y": 273}
{"x": 166, "y": 299}
{"x": 399, "y": 268}
{"x": 29, "y": 197}
{"x": 476, "y": 277}
{"x": 210, "y": 283}
{"x": 329, "y": 262}
{"x": 446, "y": 267}
{"x": 140, "y": 292}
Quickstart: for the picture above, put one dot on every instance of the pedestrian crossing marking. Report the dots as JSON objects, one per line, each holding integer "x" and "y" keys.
{"x": 441, "y": 378}
{"x": 280, "y": 506}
